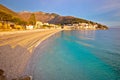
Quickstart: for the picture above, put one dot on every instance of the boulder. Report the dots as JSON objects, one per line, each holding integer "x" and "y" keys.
{"x": 1, "y": 72}
{"x": 2, "y": 77}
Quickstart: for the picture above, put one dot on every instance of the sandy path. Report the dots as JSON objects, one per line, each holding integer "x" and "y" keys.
{"x": 16, "y": 50}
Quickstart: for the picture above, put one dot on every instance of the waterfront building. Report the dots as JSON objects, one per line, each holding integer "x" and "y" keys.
{"x": 38, "y": 25}
{"x": 29, "y": 27}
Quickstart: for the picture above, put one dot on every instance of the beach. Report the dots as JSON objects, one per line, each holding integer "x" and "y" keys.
{"x": 16, "y": 49}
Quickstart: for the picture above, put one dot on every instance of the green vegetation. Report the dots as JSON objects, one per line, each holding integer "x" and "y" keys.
{"x": 100, "y": 26}
{"x": 32, "y": 19}
{"x": 7, "y": 19}
{"x": 10, "y": 20}
{"x": 46, "y": 27}
{"x": 6, "y": 10}
{"x": 74, "y": 20}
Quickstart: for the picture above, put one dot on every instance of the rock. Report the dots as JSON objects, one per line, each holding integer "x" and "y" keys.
{"x": 2, "y": 77}
{"x": 1, "y": 72}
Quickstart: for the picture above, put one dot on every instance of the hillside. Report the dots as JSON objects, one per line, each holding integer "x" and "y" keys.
{"x": 40, "y": 16}
{"x": 57, "y": 19}
{"x": 49, "y": 17}
{"x": 8, "y": 11}
{"x": 53, "y": 18}
{"x": 8, "y": 18}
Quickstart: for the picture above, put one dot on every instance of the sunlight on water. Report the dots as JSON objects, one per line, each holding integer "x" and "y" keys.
{"x": 78, "y": 55}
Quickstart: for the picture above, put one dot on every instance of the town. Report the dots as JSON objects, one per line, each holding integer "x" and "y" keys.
{"x": 41, "y": 25}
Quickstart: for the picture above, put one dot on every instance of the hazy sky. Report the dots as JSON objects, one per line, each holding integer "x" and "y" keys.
{"x": 103, "y": 11}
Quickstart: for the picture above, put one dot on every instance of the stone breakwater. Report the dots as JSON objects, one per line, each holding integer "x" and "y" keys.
{"x": 16, "y": 50}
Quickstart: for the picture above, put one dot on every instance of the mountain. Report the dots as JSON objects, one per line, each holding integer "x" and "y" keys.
{"x": 8, "y": 11}
{"x": 49, "y": 17}
{"x": 40, "y": 16}
{"x": 57, "y": 19}
{"x": 52, "y": 18}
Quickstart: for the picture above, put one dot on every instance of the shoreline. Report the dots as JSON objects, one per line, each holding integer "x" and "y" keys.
{"x": 14, "y": 56}
{"x": 20, "y": 31}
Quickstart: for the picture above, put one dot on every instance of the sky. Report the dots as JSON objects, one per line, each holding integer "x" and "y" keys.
{"x": 106, "y": 12}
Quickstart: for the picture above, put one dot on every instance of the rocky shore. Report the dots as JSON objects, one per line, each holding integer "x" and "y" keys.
{"x": 3, "y": 77}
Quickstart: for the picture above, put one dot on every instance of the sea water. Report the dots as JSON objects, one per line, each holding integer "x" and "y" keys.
{"x": 78, "y": 55}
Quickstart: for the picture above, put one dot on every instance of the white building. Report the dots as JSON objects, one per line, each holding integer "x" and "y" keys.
{"x": 29, "y": 27}
{"x": 38, "y": 24}
{"x": 47, "y": 24}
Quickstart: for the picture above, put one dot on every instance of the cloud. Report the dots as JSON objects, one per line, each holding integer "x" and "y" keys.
{"x": 109, "y": 12}
{"x": 110, "y": 5}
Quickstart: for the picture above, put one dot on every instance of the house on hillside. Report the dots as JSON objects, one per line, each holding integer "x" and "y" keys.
{"x": 95, "y": 26}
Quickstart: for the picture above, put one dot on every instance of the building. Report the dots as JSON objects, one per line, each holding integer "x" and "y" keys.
{"x": 29, "y": 27}
{"x": 47, "y": 24}
{"x": 38, "y": 25}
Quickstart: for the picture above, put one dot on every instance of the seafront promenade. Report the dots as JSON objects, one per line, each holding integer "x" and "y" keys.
{"x": 16, "y": 49}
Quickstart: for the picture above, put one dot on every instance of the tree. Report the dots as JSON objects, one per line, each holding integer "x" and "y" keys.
{"x": 32, "y": 19}
{"x": 4, "y": 17}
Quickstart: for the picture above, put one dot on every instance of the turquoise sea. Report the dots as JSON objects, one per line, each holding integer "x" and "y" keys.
{"x": 78, "y": 55}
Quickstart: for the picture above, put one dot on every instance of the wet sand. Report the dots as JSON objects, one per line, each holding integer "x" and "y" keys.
{"x": 16, "y": 49}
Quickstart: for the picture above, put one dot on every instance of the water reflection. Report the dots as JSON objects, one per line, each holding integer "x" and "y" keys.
{"x": 87, "y": 34}
{"x": 83, "y": 34}
{"x": 78, "y": 37}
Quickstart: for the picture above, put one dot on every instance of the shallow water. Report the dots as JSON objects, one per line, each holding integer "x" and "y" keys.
{"x": 78, "y": 55}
